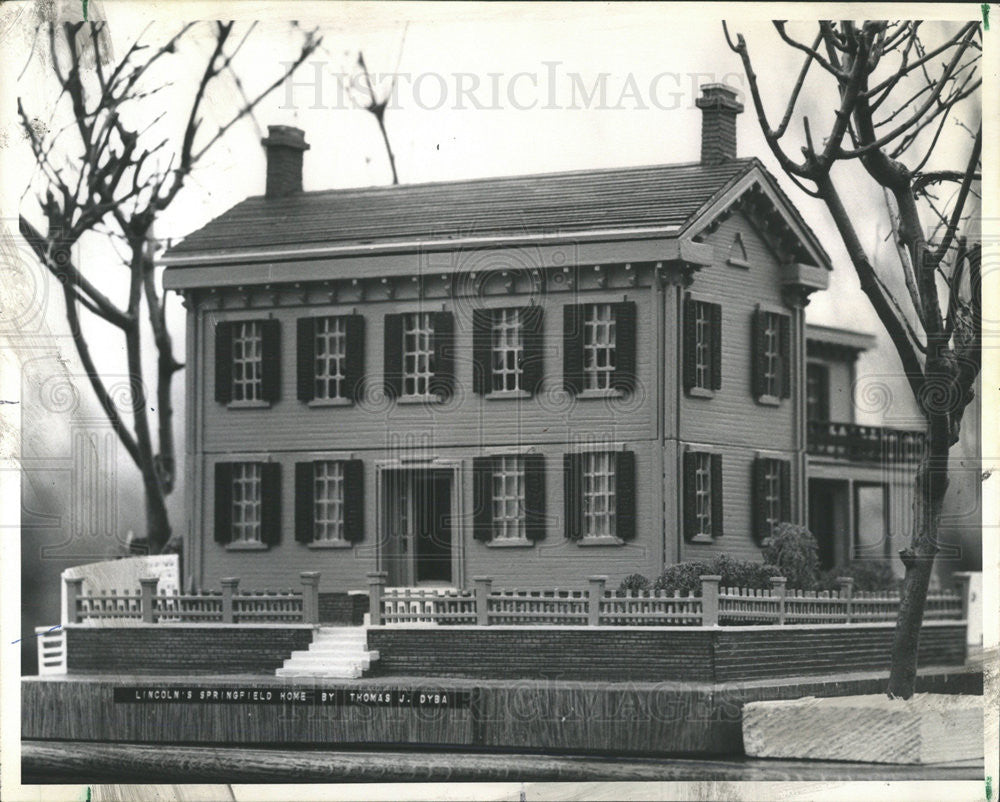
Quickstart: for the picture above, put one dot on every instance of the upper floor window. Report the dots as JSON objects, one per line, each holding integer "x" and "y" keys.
{"x": 330, "y": 358}
{"x": 247, "y": 361}
{"x": 702, "y": 345}
{"x": 507, "y": 350}
{"x": 247, "y": 503}
{"x": 817, "y": 392}
{"x": 772, "y": 495}
{"x": 599, "y": 347}
{"x": 702, "y": 495}
{"x": 509, "y": 498}
{"x": 600, "y": 495}
{"x": 419, "y": 354}
{"x": 771, "y": 355}
{"x": 329, "y": 502}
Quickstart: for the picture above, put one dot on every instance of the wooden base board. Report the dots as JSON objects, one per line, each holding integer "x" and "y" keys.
{"x": 927, "y": 728}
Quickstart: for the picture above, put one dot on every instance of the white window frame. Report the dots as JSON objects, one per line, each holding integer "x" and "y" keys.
{"x": 418, "y": 354}
{"x": 599, "y": 340}
{"x": 247, "y": 495}
{"x": 508, "y": 498}
{"x": 771, "y": 337}
{"x": 702, "y": 345}
{"x": 248, "y": 361}
{"x": 772, "y": 494}
{"x": 506, "y": 350}
{"x": 328, "y": 501}
{"x": 703, "y": 495}
{"x": 330, "y": 360}
{"x": 600, "y": 498}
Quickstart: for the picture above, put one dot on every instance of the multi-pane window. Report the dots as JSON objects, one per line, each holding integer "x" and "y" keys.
{"x": 702, "y": 346}
{"x": 598, "y": 346}
{"x": 772, "y": 495}
{"x": 771, "y": 501}
{"x": 328, "y": 501}
{"x": 418, "y": 353}
{"x": 817, "y": 392}
{"x": 771, "y": 356}
{"x": 507, "y": 350}
{"x": 703, "y": 494}
{"x": 330, "y": 357}
{"x": 508, "y": 498}
{"x": 247, "y": 367}
{"x": 599, "y": 494}
{"x": 246, "y": 502}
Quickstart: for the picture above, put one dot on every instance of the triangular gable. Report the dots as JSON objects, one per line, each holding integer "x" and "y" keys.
{"x": 772, "y": 214}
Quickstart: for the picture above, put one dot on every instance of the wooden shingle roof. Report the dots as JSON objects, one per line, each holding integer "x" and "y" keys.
{"x": 666, "y": 196}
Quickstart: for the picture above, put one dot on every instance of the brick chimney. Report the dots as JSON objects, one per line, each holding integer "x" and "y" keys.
{"x": 284, "y": 145}
{"x": 719, "y": 108}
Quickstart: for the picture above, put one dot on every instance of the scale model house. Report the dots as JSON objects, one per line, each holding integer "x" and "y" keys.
{"x": 536, "y": 378}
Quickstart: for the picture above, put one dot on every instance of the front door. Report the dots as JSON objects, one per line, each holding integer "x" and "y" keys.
{"x": 418, "y": 547}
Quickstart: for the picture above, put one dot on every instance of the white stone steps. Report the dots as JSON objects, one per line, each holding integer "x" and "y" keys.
{"x": 335, "y": 652}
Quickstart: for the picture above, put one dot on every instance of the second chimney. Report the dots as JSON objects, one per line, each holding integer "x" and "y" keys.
{"x": 285, "y": 146}
{"x": 719, "y": 108}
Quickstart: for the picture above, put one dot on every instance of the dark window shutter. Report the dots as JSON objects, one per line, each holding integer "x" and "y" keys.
{"x": 690, "y": 486}
{"x": 393, "y": 355}
{"x": 625, "y": 347}
{"x": 785, "y": 474}
{"x": 690, "y": 337}
{"x": 758, "y": 355}
{"x": 270, "y": 503}
{"x": 224, "y": 362}
{"x": 305, "y": 513}
{"x": 270, "y": 332}
{"x": 785, "y": 345}
{"x": 223, "y": 502}
{"x": 534, "y": 496}
{"x": 482, "y": 357}
{"x": 717, "y": 507}
{"x": 573, "y": 490}
{"x": 625, "y": 495}
{"x": 354, "y": 362}
{"x": 482, "y": 498}
{"x": 354, "y": 500}
{"x": 443, "y": 381}
{"x": 573, "y": 349}
{"x": 533, "y": 363}
{"x": 305, "y": 353}
{"x": 716, "y": 345}
{"x": 759, "y": 500}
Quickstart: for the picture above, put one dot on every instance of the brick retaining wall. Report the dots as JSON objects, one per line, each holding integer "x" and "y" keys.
{"x": 344, "y": 609}
{"x": 725, "y": 654}
{"x": 159, "y": 648}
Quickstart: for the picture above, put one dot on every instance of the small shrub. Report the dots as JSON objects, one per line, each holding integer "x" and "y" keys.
{"x": 686, "y": 576}
{"x": 794, "y": 550}
{"x": 633, "y": 582}
{"x": 868, "y": 575}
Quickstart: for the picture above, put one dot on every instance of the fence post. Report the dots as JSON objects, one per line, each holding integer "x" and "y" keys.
{"x": 310, "y": 597}
{"x": 484, "y": 585}
{"x": 148, "y": 585}
{"x": 74, "y": 589}
{"x": 847, "y": 592}
{"x": 779, "y": 588}
{"x": 594, "y": 598}
{"x": 230, "y": 585}
{"x": 963, "y": 581}
{"x": 376, "y": 582}
{"x": 710, "y": 599}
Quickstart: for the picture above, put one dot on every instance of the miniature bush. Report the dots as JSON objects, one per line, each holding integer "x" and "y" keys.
{"x": 868, "y": 575}
{"x": 794, "y": 550}
{"x": 686, "y": 576}
{"x": 633, "y": 582}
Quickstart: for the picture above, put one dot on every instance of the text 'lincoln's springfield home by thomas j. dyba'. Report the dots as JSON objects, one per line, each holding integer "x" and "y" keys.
{"x": 534, "y": 378}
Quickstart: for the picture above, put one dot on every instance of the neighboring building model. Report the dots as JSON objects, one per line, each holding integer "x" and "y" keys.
{"x": 537, "y": 378}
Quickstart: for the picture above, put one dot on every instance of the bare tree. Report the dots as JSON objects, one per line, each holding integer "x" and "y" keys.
{"x": 897, "y": 86}
{"x": 111, "y": 170}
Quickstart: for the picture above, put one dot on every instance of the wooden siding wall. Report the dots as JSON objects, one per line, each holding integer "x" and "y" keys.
{"x": 732, "y": 422}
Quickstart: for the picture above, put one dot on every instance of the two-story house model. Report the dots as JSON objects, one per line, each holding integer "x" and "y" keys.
{"x": 535, "y": 378}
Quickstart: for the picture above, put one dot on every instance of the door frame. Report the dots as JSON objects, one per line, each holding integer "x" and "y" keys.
{"x": 454, "y": 466}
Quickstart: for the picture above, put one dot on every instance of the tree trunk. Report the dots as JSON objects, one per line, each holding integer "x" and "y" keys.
{"x": 930, "y": 486}
{"x": 157, "y": 521}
